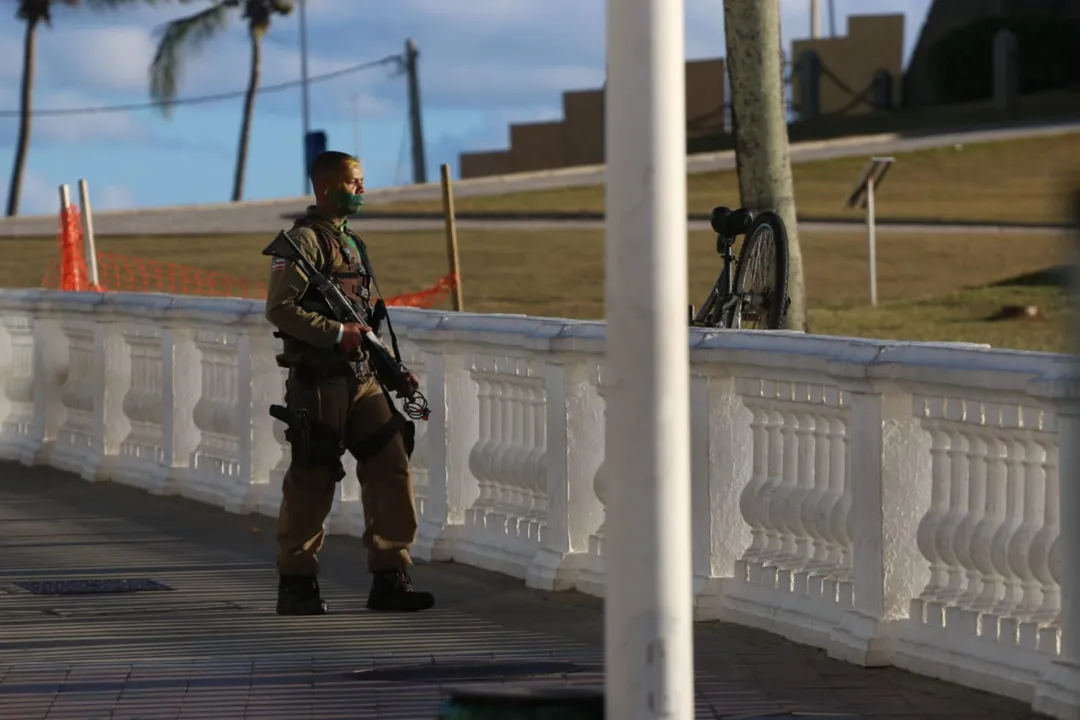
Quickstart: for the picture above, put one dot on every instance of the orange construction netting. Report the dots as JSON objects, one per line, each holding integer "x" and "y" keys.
{"x": 118, "y": 273}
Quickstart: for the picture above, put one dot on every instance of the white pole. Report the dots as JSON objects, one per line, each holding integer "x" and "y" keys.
{"x": 65, "y": 197}
{"x": 648, "y": 638}
{"x": 304, "y": 99}
{"x": 871, "y": 233}
{"x": 88, "y": 233}
{"x": 815, "y": 19}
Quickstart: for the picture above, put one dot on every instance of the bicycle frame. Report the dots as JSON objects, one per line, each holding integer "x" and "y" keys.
{"x": 720, "y": 302}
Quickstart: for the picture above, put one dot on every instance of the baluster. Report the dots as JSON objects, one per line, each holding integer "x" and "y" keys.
{"x": 806, "y": 535}
{"x": 141, "y": 456}
{"x": 502, "y": 425}
{"x": 601, "y": 485}
{"x": 1043, "y": 559}
{"x": 480, "y": 454}
{"x": 780, "y": 501}
{"x": 1014, "y": 504}
{"x": 513, "y": 495}
{"x": 946, "y": 540}
{"x": 818, "y": 507}
{"x": 974, "y": 514}
{"x": 933, "y": 519}
{"x": 765, "y": 573}
{"x": 840, "y": 519}
{"x": 1020, "y": 544}
{"x": 535, "y": 465}
{"x": 749, "y": 502}
{"x": 993, "y": 582}
{"x": 76, "y": 435}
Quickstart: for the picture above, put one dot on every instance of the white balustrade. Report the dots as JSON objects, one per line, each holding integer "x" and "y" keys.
{"x": 892, "y": 503}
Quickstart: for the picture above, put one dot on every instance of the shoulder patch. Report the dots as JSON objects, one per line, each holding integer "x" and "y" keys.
{"x": 278, "y": 264}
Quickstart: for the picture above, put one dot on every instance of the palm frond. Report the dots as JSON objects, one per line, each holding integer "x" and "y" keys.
{"x": 178, "y": 38}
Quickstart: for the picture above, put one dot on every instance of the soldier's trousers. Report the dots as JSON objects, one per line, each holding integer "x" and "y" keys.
{"x": 357, "y": 409}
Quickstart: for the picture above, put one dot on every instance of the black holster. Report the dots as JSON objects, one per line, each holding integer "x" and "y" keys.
{"x": 313, "y": 443}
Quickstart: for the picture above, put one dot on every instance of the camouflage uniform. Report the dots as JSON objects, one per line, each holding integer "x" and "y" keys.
{"x": 345, "y": 402}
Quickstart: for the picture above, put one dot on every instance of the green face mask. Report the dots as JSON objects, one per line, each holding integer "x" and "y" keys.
{"x": 347, "y": 203}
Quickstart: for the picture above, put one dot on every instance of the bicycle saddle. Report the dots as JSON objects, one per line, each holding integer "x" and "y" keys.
{"x": 738, "y": 222}
{"x": 730, "y": 223}
{"x": 718, "y": 219}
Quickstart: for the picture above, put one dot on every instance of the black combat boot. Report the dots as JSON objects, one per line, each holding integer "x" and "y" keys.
{"x": 299, "y": 595}
{"x": 392, "y": 591}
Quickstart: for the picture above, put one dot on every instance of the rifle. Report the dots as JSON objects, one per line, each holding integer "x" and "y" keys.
{"x": 389, "y": 370}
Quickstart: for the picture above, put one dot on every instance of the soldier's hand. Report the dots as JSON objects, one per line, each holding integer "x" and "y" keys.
{"x": 351, "y": 335}
{"x": 409, "y": 385}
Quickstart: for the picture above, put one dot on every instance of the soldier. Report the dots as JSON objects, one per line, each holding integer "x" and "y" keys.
{"x": 330, "y": 378}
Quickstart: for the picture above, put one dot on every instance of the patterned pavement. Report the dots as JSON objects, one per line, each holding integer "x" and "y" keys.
{"x": 211, "y": 647}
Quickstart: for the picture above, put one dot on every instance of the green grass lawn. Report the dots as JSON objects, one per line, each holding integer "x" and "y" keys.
{"x": 1012, "y": 181}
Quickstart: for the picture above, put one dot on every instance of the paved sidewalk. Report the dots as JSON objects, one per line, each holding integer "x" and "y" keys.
{"x": 211, "y": 647}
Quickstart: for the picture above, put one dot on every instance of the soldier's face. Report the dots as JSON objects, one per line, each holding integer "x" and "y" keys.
{"x": 351, "y": 179}
{"x": 346, "y": 192}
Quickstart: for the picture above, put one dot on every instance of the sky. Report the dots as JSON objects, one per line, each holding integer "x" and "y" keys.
{"x": 483, "y": 64}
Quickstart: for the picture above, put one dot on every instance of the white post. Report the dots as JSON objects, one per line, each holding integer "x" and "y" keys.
{"x": 88, "y": 233}
{"x": 65, "y": 197}
{"x": 648, "y": 639}
{"x": 815, "y": 19}
{"x": 871, "y": 231}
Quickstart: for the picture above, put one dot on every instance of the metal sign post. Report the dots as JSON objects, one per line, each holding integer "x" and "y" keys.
{"x": 862, "y": 196}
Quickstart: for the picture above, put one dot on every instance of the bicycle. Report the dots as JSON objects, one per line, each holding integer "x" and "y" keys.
{"x": 758, "y": 291}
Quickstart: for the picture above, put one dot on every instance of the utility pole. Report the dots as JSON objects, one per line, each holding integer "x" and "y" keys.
{"x": 304, "y": 98}
{"x": 415, "y": 125}
{"x": 815, "y": 19}
{"x": 762, "y": 160}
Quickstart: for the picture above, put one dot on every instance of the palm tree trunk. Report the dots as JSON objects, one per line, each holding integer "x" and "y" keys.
{"x": 249, "y": 110}
{"x": 22, "y": 145}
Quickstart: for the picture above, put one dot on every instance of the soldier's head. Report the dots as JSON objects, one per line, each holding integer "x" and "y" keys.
{"x": 338, "y": 181}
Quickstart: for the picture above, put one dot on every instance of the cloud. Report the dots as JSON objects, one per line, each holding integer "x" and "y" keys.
{"x": 84, "y": 128}
{"x": 11, "y": 52}
{"x": 112, "y": 197}
{"x": 100, "y": 58}
{"x": 39, "y": 196}
{"x": 70, "y": 128}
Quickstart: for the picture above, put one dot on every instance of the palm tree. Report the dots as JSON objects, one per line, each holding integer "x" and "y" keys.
{"x": 188, "y": 33}
{"x": 34, "y": 13}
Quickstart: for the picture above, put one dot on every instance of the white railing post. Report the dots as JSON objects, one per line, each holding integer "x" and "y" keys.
{"x": 451, "y": 433}
{"x": 112, "y": 380}
{"x": 1057, "y": 692}
{"x": 890, "y": 487}
{"x": 182, "y": 375}
{"x": 50, "y": 371}
{"x": 573, "y": 454}
{"x": 721, "y": 445}
{"x": 19, "y": 421}
{"x": 262, "y": 452}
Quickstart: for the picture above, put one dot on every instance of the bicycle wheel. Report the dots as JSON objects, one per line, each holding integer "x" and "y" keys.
{"x": 761, "y": 275}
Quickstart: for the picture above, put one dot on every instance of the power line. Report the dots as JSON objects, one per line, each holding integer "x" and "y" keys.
{"x": 200, "y": 99}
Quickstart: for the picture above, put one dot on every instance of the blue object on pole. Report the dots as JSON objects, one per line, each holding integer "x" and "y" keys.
{"x": 314, "y": 143}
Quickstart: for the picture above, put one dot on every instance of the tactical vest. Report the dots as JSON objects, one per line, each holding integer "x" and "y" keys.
{"x": 344, "y": 265}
